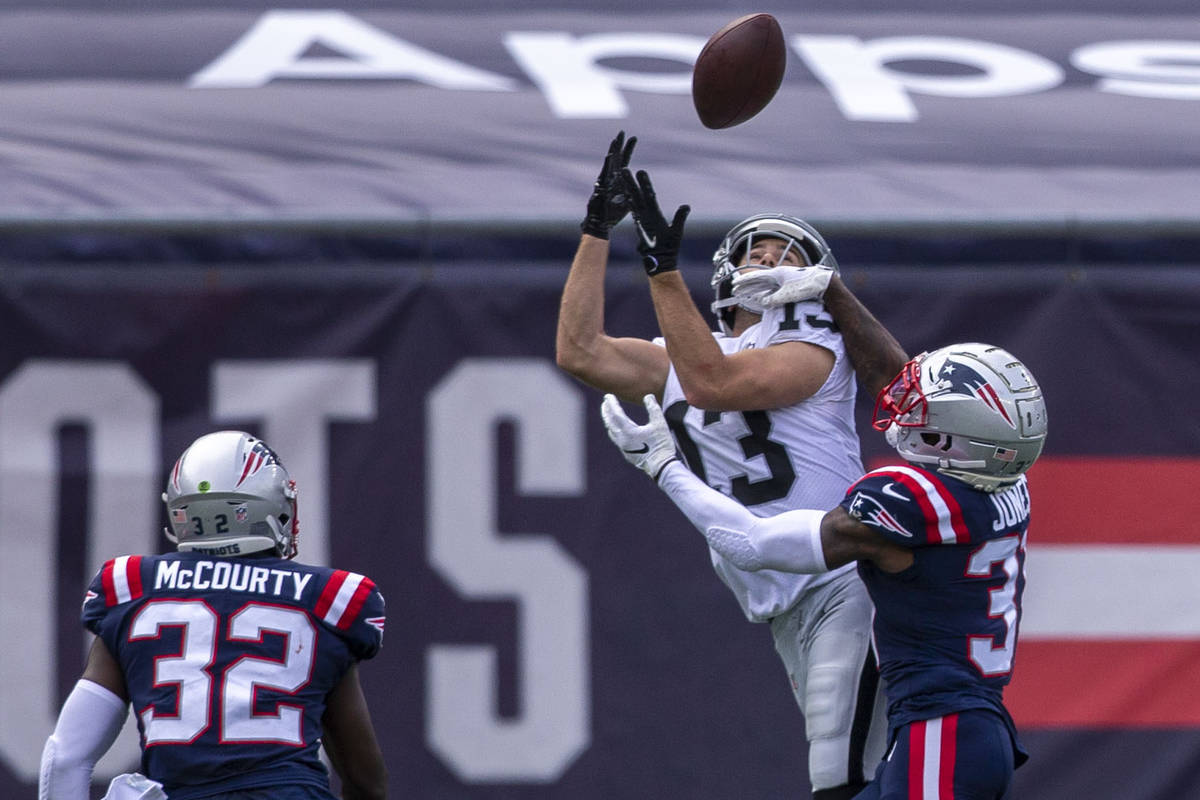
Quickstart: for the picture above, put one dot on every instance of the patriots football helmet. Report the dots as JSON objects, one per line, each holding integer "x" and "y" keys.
{"x": 228, "y": 494}
{"x": 795, "y": 233}
{"x": 973, "y": 410}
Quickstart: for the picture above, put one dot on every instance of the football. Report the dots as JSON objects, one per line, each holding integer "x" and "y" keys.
{"x": 738, "y": 71}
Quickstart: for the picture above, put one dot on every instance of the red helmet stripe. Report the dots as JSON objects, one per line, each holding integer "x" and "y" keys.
{"x": 993, "y": 401}
{"x": 252, "y": 463}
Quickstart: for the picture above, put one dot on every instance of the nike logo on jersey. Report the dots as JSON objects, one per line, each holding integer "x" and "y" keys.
{"x": 890, "y": 492}
{"x": 643, "y": 449}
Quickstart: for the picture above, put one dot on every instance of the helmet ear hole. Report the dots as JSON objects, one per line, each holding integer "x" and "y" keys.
{"x": 939, "y": 440}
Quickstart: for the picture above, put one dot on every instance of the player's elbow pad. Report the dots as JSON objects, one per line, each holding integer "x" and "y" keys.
{"x": 87, "y": 726}
{"x": 790, "y": 542}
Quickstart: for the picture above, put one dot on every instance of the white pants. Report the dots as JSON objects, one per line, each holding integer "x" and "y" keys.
{"x": 825, "y": 644}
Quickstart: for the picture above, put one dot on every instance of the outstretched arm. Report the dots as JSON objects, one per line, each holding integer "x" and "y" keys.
{"x": 627, "y": 366}
{"x": 771, "y": 377}
{"x": 804, "y": 540}
{"x": 875, "y": 353}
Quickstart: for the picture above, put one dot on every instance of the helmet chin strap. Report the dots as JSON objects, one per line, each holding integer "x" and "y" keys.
{"x": 984, "y": 483}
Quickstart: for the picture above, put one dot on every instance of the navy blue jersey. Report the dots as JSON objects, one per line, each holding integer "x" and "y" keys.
{"x": 228, "y": 662}
{"x": 945, "y": 629}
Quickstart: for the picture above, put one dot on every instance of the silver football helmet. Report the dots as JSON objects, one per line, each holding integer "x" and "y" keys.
{"x": 972, "y": 409}
{"x": 796, "y": 233}
{"x": 229, "y": 495}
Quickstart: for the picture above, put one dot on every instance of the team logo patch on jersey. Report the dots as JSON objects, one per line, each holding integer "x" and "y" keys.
{"x": 965, "y": 380}
{"x": 870, "y": 512}
{"x": 376, "y": 623}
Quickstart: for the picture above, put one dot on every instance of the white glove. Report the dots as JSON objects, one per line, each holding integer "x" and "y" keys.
{"x": 779, "y": 286}
{"x": 134, "y": 786}
{"x": 648, "y": 447}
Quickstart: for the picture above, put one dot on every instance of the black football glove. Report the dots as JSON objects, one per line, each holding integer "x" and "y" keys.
{"x": 609, "y": 202}
{"x": 658, "y": 242}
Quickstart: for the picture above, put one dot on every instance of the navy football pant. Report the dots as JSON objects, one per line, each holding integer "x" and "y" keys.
{"x": 963, "y": 756}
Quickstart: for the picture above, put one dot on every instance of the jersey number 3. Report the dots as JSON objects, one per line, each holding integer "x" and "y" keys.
{"x": 188, "y": 672}
{"x": 989, "y": 659}
{"x": 755, "y": 443}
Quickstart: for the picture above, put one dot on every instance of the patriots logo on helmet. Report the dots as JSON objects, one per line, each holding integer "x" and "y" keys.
{"x": 259, "y": 456}
{"x": 962, "y": 379}
{"x": 871, "y": 512}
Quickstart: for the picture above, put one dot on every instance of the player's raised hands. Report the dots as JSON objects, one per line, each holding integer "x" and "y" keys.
{"x": 658, "y": 241}
{"x": 609, "y": 202}
{"x": 648, "y": 447}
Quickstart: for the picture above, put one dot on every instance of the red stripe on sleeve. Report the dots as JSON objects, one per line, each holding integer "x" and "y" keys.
{"x": 961, "y": 532}
{"x": 330, "y": 592}
{"x": 356, "y": 603}
{"x": 931, "y": 518}
{"x": 957, "y": 524}
{"x": 949, "y": 753}
{"x": 106, "y": 579}
{"x": 916, "y": 760}
{"x": 133, "y": 574}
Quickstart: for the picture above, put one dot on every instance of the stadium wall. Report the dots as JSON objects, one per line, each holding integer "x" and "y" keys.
{"x": 556, "y": 630}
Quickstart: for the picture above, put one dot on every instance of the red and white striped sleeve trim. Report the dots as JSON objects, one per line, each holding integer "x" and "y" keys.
{"x": 944, "y": 523}
{"x": 122, "y": 580}
{"x": 343, "y": 598}
{"x": 932, "y": 750}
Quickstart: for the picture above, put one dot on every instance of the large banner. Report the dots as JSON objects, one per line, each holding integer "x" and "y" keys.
{"x": 1078, "y": 113}
{"x": 555, "y": 629}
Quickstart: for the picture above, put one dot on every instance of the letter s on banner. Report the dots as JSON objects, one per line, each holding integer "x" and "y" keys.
{"x": 548, "y": 586}
{"x": 865, "y": 87}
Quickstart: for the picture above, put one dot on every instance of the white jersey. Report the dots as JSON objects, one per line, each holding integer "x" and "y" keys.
{"x": 801, "y": 456}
